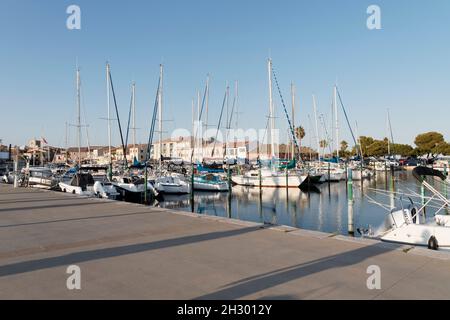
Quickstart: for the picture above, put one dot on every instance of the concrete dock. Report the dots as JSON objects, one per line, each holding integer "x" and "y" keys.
{"x": 129, "y": 251}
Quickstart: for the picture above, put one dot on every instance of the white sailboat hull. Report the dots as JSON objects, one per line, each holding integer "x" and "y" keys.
{"x": 172, "y": 184}
{"x": 221, "y": 186}
{"x": 274, "y": 181}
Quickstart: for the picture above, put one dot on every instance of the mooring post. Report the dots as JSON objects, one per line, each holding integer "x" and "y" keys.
{"x": 192, "y": 187}
{"x": 16, "y": 169}
{"x": 229, "y": 179}
{"x": 350, "y": 184}
{"x": 346, "y": 175}
{"x": 350, "y": 202}
{"x": 329, "y": 174}
{"x": 259, "y": 175}
{"x": 392, "y": 177}
{"x": 146, "y": 183}
{"x": 422, "y": 194}
{"x": 287, "y": 178}
{"x": 446, "y": 184}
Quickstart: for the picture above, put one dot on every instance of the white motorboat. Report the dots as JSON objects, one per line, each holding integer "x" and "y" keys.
{"x": 332, "y": 175}
{"x": 210, "y": 182}
{"x": 84, "y": 184}
{"x": 173, "y": 184}
{"x": 410, "y": 225}
{"x": 40, "y": 177}
{"x": 268, "y": 178}
{"x": 133, "y": 188}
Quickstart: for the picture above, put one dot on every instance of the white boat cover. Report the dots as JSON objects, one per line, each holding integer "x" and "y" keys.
{"x": 442, "y": 220}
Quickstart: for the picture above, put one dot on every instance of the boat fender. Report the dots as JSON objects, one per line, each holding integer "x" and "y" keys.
{"x": 433, "y": 243}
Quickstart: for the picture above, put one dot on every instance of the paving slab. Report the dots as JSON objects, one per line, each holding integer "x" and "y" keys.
{"x": 128, "y": 251}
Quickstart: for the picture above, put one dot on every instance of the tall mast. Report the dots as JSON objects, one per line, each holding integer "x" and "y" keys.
{"x": 199, "y": 141}
{"x": 160, "y": 92}
{"x": 336, "y": 119}
{"x": 227, "y": 125}
{"x": 134, "y": 114}
{"x": 108, "y": 98}
{"x": 237, "y": 104}
{"x": 387, "y": 133}
{"x": 390, "y": 130}
{"x": 317, "y": 126}
{"x": 66, "y": 139}
{"x": 78, "y": 117}
{"x": 193, "y": 127}
{"x": 271, "y": 110}
{"x": 293, "y": 117}
{"x": 206, "y": 103}
{"x": 236, "y": 95}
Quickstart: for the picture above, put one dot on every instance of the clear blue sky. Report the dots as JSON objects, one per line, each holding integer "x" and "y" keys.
{"x": 404, "y": 67}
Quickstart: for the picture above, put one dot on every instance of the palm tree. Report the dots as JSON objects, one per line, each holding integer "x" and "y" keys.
{"x": 300, "y": 134}
{"x": 344, "y": 146}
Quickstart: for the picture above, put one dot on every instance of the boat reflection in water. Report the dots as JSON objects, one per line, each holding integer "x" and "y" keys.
{"x": 325, "y": 207}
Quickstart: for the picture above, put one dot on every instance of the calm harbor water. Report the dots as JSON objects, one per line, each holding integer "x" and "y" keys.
{"x": 324, "y": 209}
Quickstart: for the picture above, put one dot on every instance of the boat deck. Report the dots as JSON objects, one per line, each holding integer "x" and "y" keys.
{"x": 131, "y": 251}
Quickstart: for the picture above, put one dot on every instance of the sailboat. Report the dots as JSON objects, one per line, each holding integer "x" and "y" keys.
{"x": 166, "y": 183}
{"x": 132, "y": 188}
{"x": 270, "y": 177}
{"x": 210, "y": 181}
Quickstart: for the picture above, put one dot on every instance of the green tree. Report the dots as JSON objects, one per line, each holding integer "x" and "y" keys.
{"x": 428, "y": 142}
{"x": 442, "y": 148}
{"x": 402, "y": 149}
{"x": 344, "y": 146}
{"x": 377, "y": 149}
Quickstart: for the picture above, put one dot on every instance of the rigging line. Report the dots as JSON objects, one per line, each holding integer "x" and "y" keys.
{"x": 129, "y": 118}
{"x": 287, "y": 115}
{"x": 323, "y": 120}
{"x": 265, "y": 130}
{"x": 218, "y": 126}
{"x": 117, "y": 114}
{"x": 86, "y": 125}
{"x": 152, "y": 126}
{"x": 346, "y": 117}
{"x": 199, "y": 119}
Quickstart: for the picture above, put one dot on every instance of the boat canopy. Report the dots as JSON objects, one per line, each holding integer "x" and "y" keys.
{"x": 210, "y": 168}
{"x": 421, "y": 171}
{"x": 82, "y": 180}
{"x": 284, "y": 164}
